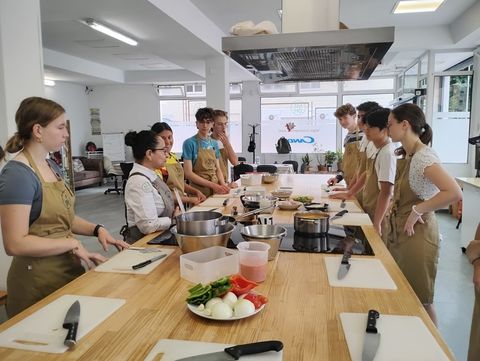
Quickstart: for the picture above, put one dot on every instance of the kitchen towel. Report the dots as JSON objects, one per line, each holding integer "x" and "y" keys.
{"x": 123, "y": 261}
{"x": 42, "y": 331}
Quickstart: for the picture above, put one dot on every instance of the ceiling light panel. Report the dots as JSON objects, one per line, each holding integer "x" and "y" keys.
{"x": 107, "y": 31}
{"x": 416, "y": 6}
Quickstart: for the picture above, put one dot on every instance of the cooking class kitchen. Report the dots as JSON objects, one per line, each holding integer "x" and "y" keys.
{"x": 240, "y": 180}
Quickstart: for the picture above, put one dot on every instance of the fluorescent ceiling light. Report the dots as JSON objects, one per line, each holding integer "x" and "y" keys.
{"x": 416, "y": 6}
{"x": 107, "y": 31}
{"x": 48, "y": 82}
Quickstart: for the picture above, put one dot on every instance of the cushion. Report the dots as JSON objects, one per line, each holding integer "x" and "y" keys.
{"x": 78, "y": 165}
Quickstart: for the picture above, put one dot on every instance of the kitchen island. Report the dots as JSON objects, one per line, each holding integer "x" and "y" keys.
{"x": 470, "y": 202}
{"x": 303, "y": 310}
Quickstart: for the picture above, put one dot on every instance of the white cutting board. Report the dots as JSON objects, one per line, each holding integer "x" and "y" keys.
{"x": 363, "y": 273}
{"x": 203, "y": 209}
{"x": 174, "y": 349}
{"x": 352, "y": 219}
{"x": 402, "y": 338}
{"x": 123, "y": 261}
{"x": 214, "y": 202}
{"x": 334, "y": 205}
{"x": 45, "y": 325}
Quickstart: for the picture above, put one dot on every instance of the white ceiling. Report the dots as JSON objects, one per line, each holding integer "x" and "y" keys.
{"x": 176, "y": 37}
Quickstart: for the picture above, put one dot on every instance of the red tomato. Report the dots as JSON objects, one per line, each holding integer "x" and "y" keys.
{"x": 241, "y": 285}
{"x": 256, "y": 299}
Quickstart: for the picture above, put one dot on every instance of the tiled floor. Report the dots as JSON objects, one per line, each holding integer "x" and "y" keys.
{"x": 454, "y": 290}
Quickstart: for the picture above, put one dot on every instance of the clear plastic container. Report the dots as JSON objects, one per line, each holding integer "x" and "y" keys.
{"x": 208, "y": 264}
{"x": 253, "y": 258}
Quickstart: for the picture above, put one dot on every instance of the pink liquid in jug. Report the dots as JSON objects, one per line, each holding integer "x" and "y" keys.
{"x": 256, "y": 273}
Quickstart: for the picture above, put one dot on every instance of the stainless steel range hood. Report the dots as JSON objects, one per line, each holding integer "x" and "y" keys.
{"x": 351, "y": 54}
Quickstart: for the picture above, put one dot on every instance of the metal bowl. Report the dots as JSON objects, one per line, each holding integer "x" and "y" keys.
{"x": 271, "y": 234}
{"x": 258, "y": 201}
{"x": 189, "y": 243}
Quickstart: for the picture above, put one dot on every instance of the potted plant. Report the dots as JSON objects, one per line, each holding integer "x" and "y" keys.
{"x": 306, "y": 162}
{"x": 339, "y": 159}
{"x": 330, "y": 157}
{"x": 320, "y": 157}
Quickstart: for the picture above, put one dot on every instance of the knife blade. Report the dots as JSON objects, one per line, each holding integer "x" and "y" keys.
{"x": 344, "y": 265}
{"x": 147, "y": 262}
{"x": 372, "y": 337}
{"x": 339, "y": 214}
{"x": 235, "y": 352}
{"x": 71, "y": 324}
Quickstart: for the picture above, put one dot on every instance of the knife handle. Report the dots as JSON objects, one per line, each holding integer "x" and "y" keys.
{"x": 252, "y": 348}
{"x": 341, "y": 213}
{"x": 71, "y": 339}
{"x": 142, "y": 264}
{"x": 372, "y": 321}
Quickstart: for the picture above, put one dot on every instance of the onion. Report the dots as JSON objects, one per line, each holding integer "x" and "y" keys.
{"x": 243, "y": 308}
{"x": 221, "y": 311}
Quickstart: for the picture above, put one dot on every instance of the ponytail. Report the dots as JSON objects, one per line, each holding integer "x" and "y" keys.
{"x": 427, "y": 134}
{"x": 14, "y": 145}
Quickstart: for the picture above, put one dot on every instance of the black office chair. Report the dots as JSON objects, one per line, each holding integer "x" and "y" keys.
{"x": 266, "y": 168}
{"x": 242, "y": 159}
{"x": 116, "y": 188}
{"x": 241, "y": 168}
{"x": 294, "y": 164}
{"x": 126, "y": 168}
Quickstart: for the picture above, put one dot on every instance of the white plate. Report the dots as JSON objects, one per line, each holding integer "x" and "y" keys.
{"x": 201, "y": 314}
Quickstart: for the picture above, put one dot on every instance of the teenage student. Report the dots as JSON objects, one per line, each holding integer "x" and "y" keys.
{"x": 37, "y": 210}
{"x": 148, "y": 200}
{"x": 473, "y": 254}
{"x": 174, "y": 174}
{"x": 219, "y": 133}
{"x": 201, "y": 157}
{"x": 422, "y": 186}
{"x": 377, "y": 181}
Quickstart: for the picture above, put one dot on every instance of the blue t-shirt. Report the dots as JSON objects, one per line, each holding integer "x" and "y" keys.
{"x": 20, "y": 185}
{"x": 190, "y": 147}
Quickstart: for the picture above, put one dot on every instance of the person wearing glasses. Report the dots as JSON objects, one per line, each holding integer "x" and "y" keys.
{"x": 219, "y": 133}
{"x": 201, "y": 156}
{"x": 148, "y": 200}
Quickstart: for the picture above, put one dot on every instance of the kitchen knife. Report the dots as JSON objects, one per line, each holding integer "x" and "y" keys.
{"x": 71, "y": 324}
{"x": 342, "y": 203}
{"x": 235, "y": 352}
{"x": 339, "y": 214}
{"x": 372, "y": 337}
{"x": 344, "y": 265}
{"x": 147, "y": 262}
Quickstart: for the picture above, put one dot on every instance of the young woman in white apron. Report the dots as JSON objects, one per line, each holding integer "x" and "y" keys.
{"x": 422, "y": 186}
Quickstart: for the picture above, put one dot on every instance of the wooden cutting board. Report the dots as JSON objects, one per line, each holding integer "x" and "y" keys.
{"x": 171, "y": 350}
{"x": 334, "y": 205}
{"x": 352, "y": 219}
{"x": 42, "y": 331}
{"x": 214, "y": 202}
{"x": 401, "y": 338}
{"x": 123, "y": 261}
{"x": 363, "y": 273}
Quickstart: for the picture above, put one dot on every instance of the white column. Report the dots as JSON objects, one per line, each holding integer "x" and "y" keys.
{"x": 430, "y": 87}
{"x": 475, "y": 110}
{"x": 21, "y": 62}
{"x": 251, "y": 115}
{"x": 218, "y": 84}
{"x": 310, "y": 15}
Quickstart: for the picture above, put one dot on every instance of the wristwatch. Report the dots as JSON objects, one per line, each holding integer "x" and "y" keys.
{"x": 97, "y": 227}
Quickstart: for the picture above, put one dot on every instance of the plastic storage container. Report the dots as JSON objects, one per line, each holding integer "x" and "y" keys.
{"x": 208, "y": 264}
{"x": 253, "y": 258}
{"x": 251, "y": 179}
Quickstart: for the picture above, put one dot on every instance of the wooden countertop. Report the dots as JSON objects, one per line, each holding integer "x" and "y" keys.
{"x": 303, "y": 310}
{"x": 472, "y": 181}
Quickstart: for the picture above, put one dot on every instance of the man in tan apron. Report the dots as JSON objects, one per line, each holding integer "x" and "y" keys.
{"x": 416, "y": 255}
{"x": 32, "y": 278}
{"x": 473, "y": 254}
{"x": 219, "y": 133}
{"x": 206, "y": 167}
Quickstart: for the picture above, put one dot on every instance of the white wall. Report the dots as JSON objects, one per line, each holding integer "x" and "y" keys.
{"x": 72, "y": 97}
{"x": 125, "y": 107}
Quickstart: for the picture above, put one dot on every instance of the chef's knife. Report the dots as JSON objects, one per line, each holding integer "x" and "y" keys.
{"x": 71, "y": 324}
{"x": 344, "y": 265}
{"x": 372, "y": 337}
{"x": 339, "y": 214}
{"x": 235, "y": 352}
{"x": 147, "y": 262}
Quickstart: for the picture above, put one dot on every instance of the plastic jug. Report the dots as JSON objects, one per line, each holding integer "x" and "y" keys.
{"x": 253, "y": 259}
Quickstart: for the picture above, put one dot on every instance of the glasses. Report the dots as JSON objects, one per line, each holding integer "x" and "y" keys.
{"x": 162, "y": 149}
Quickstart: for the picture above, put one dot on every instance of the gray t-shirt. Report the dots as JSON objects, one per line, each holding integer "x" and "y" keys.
{"x": 20, "y": 185}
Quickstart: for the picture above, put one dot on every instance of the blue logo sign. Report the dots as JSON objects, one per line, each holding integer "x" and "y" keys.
{"x": 306, "y": 139}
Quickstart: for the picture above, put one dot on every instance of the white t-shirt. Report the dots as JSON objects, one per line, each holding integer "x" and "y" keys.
{"x": 421, "y": 185}
{"x": 385, "y": 164}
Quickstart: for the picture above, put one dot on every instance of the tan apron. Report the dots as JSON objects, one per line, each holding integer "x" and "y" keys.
{"x": 417, "y": 256}
{"x": 176, "y": 177}
{"x": 362, "y": 166}
{"x": 206, "y": 168}
{"x": 351, "y": 159}
{"x": 224, "y": 163}
{"x": 370, "y": 190}
{"x": 32, "y": 278}
{"x": 474, "y": 347}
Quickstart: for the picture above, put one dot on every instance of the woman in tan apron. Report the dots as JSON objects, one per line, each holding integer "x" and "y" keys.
{"x": 45, "y": 254}
{"x": 201, "y": 162}
{"x": 412, "y": 230}
{"x": 473, "y": 254}
{"x": 219, "y": 133}
{"x": 176, "y": 176}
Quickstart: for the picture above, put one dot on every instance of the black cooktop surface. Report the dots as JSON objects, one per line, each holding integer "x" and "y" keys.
{"x": 338, "y": 240}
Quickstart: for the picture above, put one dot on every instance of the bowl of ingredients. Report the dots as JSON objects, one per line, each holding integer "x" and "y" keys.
{"x": 269, "y": 178}
{"x": 303, "y": 199}
{"x": 288, "y": 205}
{"x": 282, "y": 193}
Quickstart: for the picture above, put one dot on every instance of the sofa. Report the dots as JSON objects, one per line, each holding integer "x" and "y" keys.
{"x": 87, "y": 172}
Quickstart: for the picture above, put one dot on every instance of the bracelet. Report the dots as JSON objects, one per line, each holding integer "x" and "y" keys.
{"x": 414, "y": 210}
{"x": 97, "y": 227}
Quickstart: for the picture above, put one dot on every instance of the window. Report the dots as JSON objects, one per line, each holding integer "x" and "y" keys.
{"x": 318, "y": 87}
{"x": 278, "y": 88}
{"x": 307, "y": 123}
{"x": 371, "y": 84}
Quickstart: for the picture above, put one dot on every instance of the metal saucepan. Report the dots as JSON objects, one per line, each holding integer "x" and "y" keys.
{"x": 200, "y": 223}
{"x": 311, "y": 223}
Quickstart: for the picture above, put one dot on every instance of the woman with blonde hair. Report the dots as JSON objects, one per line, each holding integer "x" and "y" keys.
{"x": 37, "y": 210}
